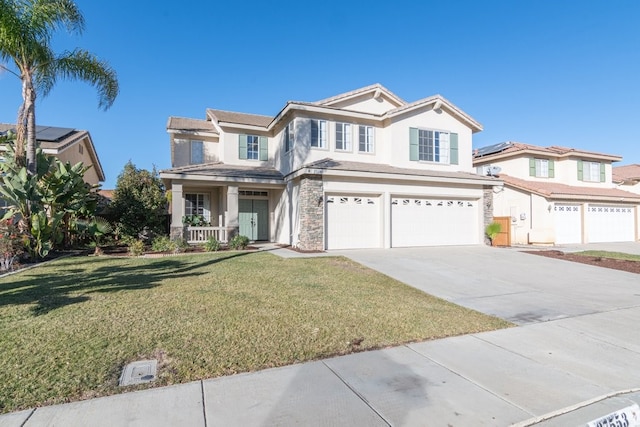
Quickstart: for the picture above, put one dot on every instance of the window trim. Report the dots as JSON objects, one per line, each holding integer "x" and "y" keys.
{"x": 443, "y": 151}
{"x": 319, "y": 134}
{"x": 347, "y": 137}
{"x": 369, "y": 139}
{"x": 199, "y": 197}
{"x": 192, "y": 143}
{"x": 289, "y": 136}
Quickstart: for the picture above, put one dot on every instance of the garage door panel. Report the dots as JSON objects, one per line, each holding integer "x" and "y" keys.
{"x": 568, "y": 224}
{"x": 353, "y": 222}
{"x": 610, "y": 224}
{"x": 429, "y": 222}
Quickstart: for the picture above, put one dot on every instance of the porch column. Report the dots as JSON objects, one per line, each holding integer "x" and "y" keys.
{"x": 232, "y": 210}
{"x": 177, "y": 211}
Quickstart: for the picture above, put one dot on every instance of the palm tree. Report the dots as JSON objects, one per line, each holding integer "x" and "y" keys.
{"x": 26, "y": 28}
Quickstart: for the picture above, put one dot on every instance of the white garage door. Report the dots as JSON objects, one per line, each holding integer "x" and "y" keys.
{"x": 610, "y": 224}
{"x": 568, "y": 224}
{"x": 353, "y": 222}
{"x": 431, "y": 222}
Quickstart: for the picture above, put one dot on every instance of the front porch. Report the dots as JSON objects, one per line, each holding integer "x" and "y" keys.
{"x": 201, "y": 211}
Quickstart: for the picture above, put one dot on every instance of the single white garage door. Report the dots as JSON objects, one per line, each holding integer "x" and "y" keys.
{"x": 568, "y": 224}
{"x": 353, "y": 222}
{"x": 433, "y": 222}
{"x": 610, "y": 224}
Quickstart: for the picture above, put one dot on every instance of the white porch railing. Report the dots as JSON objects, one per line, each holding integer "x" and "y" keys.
{"x": 197, "y": 235}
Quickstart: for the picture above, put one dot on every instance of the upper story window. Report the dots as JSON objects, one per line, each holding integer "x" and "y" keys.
{"x": 541, "y": 168}
{"x": 289, "y": 136}
{"x": 318, "y": 133}
{"x": 343, "y": 137}
{"x": 80, "y": 148}
{"x": 591, "y": 171}
{"x": 365, "y": 139}
{"x": 433, "y": 146}
{"x": 197, "y": 152}
{"x": 253, "y": 147}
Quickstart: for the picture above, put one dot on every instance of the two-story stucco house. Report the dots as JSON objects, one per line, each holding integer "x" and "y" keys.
{"x": 558, "y": 195}
{"x": 363, "y": 169}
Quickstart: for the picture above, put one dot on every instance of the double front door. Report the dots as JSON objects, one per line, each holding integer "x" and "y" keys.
{"x": 253, "y": 216}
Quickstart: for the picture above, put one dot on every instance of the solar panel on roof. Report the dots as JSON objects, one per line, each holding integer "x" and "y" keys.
{"x": 491, "y": 149}
{"x": 51, "y": 134}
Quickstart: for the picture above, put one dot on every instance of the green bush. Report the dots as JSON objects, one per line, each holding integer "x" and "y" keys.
{"x": 239, "y": 242}
{"x": 212, "y": 245}
{"x": 136, "y": 247}
{"x": 493, "y": 230}
{"x": 163, "y": 244}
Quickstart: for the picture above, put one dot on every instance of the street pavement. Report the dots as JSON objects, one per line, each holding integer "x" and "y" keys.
{"x": 574, "y": 357}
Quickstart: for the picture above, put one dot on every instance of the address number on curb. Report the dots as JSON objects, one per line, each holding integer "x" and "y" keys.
{"x": 627, "y": 417}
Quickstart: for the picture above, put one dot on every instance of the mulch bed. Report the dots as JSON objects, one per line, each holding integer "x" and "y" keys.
{"x": 617, "y": 264}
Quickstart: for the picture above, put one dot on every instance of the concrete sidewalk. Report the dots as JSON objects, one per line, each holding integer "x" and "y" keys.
{"x": 575, "y": 357}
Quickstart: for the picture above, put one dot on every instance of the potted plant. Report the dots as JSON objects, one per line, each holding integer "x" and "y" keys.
{"x": 492, "y": 231}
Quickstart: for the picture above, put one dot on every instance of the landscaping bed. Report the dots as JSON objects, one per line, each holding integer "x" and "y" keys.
{"x": 615, "y": 260}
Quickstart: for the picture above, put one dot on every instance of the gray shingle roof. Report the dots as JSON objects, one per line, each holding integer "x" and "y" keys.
{"x": 240, "y": 118}
{"x": 191, "y": 125}
{"x": 330, "y": 164}
{"x": 219, "y": 169}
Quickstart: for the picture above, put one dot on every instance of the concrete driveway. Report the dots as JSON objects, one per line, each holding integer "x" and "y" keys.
{"x": 507, "y": 283}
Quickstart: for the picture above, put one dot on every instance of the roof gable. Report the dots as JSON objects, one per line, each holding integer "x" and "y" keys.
{"x": 374, "y": 99}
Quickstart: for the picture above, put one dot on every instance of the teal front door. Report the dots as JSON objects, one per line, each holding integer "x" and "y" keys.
{"x": 253, "y": 216}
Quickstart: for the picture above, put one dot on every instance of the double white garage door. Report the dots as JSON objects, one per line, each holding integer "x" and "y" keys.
{"x": 602, "y": 223}
{"x": 357, "y": 221}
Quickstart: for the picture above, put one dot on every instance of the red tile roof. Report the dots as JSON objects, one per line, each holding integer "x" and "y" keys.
{"x": 554, "y": 190}
{"x": 626, "y": 173}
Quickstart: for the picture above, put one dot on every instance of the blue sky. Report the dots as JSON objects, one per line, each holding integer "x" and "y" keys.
{"x": 543, "y": 72}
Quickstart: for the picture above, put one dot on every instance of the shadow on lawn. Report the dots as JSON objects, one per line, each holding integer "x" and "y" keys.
{"x": 74, "y": 285}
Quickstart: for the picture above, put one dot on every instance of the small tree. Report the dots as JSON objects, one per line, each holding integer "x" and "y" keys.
{"x": 139, "y": 200}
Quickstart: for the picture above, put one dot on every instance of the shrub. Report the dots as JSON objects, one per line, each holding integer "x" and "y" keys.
{"x": 163, "y": 244}
{"x": 239, "y": 242}
{"x": 195, "y": 221}
{"x": 212, "y": 245}
{"x": 493, "y": 230}
{"x": 181, "y": 245}
{"x": 136, "y": 247}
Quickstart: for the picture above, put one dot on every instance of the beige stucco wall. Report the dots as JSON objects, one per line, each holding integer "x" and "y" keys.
{"x": 181, "y": 150}
{"x": 397, "y": 140}
{"x": 73, "y": 155}
{"x": 565, "y": 171}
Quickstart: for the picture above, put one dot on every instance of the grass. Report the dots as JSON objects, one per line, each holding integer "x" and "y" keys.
{"x": 68, "y": 327}
{"x": 612, "y": 255}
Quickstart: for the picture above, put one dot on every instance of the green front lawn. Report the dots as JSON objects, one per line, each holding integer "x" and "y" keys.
{"x": 612, "y": 255}
{"x": 67, "y": 328}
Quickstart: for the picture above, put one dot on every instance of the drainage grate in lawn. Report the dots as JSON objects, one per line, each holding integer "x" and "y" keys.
{"x": 142, "y": 371}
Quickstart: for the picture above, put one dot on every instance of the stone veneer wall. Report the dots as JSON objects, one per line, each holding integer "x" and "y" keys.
{"x": 487, "y": 204}
{"x": 311, "y": 205}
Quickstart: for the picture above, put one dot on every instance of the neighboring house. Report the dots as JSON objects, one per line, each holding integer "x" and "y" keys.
{"x": 558, "y": 195}
{"x": 627, "y": 177}
{"x": 364, "y": 169}
{"x": 68, "y": 145}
